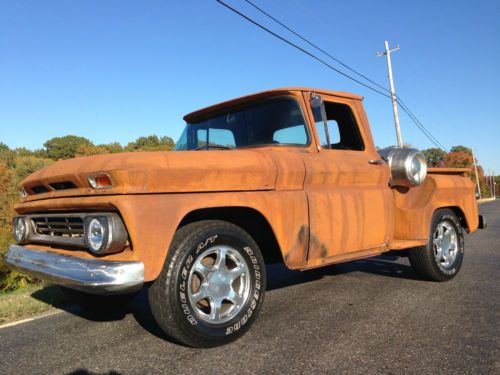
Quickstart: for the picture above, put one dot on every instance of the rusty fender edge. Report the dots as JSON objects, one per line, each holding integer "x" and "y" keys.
{"x": 88, "y": 275}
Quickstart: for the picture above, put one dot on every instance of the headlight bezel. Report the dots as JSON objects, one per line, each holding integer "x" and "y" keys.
{"x": 114, "y": 234}
{"x": 92, "y": 224}
{"x": 16, "y": 221}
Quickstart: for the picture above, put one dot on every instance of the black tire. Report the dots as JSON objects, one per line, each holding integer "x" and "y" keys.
{"x": 423, "y": 259}
{"x": 170, "y": 302}
{"x": 94, "y": 301}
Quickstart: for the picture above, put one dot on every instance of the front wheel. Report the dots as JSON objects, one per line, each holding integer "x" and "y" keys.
{"x": 212, "y": 284}
{"x": 441, "y": 258}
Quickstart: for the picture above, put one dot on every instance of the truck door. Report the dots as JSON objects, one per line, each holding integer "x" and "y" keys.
{"x": 350, "y": 202}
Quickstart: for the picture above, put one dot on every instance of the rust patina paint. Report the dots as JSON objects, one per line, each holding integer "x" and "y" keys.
{"x": 324, "y": 206}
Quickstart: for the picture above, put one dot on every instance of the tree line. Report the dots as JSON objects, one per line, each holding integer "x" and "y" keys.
{"x": 459, "y": 157}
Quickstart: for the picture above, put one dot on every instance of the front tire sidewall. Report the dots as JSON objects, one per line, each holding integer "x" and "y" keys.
{"x": 240, "y": 323}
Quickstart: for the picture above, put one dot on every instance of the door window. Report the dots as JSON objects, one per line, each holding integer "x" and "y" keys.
{"x": 342, "y": 128}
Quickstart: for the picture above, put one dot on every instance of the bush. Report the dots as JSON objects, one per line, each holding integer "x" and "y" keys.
{"x": 10, "y": 281}
{"x": 12, "y": 171}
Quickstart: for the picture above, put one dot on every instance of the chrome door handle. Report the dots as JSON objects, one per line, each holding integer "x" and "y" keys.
{"x": 376, "y": 161}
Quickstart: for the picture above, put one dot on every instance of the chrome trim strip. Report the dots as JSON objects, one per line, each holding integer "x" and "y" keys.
{"x": 93, "y": 276}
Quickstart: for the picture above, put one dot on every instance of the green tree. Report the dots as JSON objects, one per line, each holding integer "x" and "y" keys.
{"x": 7, "y": 155}
{"x": 434, "y": 156}
{"x": 111, "y": 147}
{"x": 8, "y": 197}
{"x": 65, "y": 147}
{"x": 458, "y": 159}
{"x": 90, "y": 149}
{"x": 26, "y": 165}
{"x": 41, "y": 153}
{"x": 151, "y": 143}
{"x": 459, "y": 148}
{"x": 23, "y": 151}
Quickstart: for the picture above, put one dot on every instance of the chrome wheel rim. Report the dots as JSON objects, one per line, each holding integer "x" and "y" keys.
{"x": 219, "y": 284}
{"x": 445, "y": 244}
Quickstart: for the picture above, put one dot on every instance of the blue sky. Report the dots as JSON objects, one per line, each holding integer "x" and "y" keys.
{"x": 116, "y": 70}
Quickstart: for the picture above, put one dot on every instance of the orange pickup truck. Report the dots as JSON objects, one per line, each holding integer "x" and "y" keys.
{"x": 290, "y": 175}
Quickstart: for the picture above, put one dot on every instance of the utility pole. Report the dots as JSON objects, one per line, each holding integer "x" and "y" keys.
{"x": 477, "y": 176}
{"x": 494, "y": 187}
{"x": 387, "y": 53}
{"x": 491, "y": 183}
{"x": 494, "y": 183}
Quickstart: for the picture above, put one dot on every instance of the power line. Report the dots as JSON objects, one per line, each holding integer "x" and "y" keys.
{"x": 315, "y": 46}
{"x": 400, "y": 101}
{"x": 300, "y": 48}
{"x": 415, "y": 120}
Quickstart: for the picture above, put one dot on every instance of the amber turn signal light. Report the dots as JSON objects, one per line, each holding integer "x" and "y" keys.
{"x": 100, "y": 181}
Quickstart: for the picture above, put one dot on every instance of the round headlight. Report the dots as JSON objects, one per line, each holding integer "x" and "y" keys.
{"x": 97, "y": 234}
{"x": 19, "y": 229}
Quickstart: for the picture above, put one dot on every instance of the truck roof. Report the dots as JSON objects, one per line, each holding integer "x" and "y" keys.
{"x": 263, "y": 94}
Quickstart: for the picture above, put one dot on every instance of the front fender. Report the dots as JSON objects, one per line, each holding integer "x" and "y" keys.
{"x": 152, "y": 220}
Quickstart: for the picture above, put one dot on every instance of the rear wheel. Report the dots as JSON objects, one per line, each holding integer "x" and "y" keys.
{"x": 211, "y": 286}
{"x": 441, "y": 258}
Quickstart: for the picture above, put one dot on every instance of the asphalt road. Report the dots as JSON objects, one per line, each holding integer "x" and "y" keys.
{"x": 370, "y": 316}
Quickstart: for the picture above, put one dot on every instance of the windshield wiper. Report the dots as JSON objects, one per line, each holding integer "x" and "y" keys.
{"x": 205, "y": 147}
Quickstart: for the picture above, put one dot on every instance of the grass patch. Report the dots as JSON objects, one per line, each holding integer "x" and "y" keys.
{"x": 29, "y": 301}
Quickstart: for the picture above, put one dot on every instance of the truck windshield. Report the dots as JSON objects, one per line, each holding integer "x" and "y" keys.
{"x": 273, "y": 122}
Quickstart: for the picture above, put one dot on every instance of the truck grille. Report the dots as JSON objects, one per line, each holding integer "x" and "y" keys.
{"x": 65, "y": 229}
{"x": 58, "y": 226}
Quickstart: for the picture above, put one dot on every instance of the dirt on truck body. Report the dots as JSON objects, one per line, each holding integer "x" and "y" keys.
{"x": 287, "y": 175}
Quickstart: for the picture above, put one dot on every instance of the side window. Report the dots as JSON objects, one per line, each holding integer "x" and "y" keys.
{"x": 291, "y": 135}
{"x": 201, "y": 136}
{"x": 342, "y": 128}
{"x": 333, "y": 132}
{"x": 215, "y": 137}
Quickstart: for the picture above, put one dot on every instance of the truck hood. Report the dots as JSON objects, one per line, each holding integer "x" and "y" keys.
{"x": 156, "y": 172}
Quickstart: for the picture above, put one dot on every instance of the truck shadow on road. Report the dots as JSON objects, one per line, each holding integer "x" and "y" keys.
{"x": 384, "y": 265}
{"x": 278, "y": 277}
{"x": 86, "y": 372}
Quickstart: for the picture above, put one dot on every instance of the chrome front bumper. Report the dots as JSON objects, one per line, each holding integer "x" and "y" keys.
{"x": 88, "y": 275}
